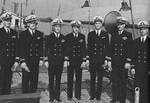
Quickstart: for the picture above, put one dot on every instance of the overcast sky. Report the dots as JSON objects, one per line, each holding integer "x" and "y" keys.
{"x": 46, "y": 8}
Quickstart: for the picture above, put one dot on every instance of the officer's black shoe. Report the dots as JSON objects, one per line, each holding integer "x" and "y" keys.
{"x": 58, "y": 99}
{"x": 113, "y": 101}
{"x": 91, "y": 98}
{"x": 98, "y": 99}
{"x": 51, "y": 100}
{"x": 78, "y": 98}
{"x": 69, "y": 98}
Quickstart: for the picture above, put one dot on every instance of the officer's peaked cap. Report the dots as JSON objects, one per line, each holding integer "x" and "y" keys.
{"x": 6, "y": 16}
{"x": 31, "y": 18}
{"x": 76, "y": 23}
{"x": 122, "y": 20}
{"x": 57, "y": 21}
{"x": 143, "y": 24}
{"x": 98, "y": 19}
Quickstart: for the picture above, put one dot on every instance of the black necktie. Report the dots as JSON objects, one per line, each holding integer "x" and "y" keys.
{"x": 57, "y": 35}
{"x": 142, "y": 40}
{"x": 97, "y": 33}
{"x": 33, "y": 32}
{"x": 8, "y": 31}
{"x": 76, "y": 35}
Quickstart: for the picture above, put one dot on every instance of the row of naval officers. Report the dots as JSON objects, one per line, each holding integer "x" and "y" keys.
{"x": 117, "y": 53}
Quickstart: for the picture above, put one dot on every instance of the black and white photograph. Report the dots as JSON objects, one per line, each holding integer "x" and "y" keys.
{"x": 74, "y": 51}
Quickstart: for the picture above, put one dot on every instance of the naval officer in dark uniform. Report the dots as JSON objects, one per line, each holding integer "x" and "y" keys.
{"x": 76, "y": 53}
{"x": 98, "y": 43}
{"x": 31, "y": 52}
{"x": 8, "y": 53}
{"x": 120, "y": 53}
{"x": 55, "y": 51}
{"x": 141, "y": 60}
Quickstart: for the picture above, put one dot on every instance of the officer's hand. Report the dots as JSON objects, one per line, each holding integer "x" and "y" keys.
{"x": 87, "y": 63}
{"x": 109, "y": 65}
{"x": 133, "y": 71}
{"x": 41, "y": 62}
{"x": 66, "y": 64}
{"x": 16, "y": 64}
{"x": 24, "y": 66}
{"x": 46, "y": 64}
{"x": 105, "y": 64}
{"x": 83, "y": 65}
{"x": 127, "y": 66}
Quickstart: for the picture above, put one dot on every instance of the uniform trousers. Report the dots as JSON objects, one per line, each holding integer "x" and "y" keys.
{"x": 5, "y": 79}
{"x": 119, "y": 78}
{"x": 55, "y": 72}
{"x": 71, "y": 70}
{"x": 96, "y": 70}
{"x": 30, "y": 79}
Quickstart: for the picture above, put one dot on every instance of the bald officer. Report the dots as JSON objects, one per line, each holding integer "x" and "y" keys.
{"x": 76, "y": 57}
{"x": 31, "y": 52}
{"x": 8, "y": 53}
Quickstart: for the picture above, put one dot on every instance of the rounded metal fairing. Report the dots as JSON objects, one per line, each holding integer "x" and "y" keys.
{"x": 110, "y": 21}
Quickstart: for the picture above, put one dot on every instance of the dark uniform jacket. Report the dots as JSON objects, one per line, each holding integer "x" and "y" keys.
{"x": 76, "y": 48}
{"x": 97, "y": 46}
{"x": 141, "y": 60}
{"x": 31, "y": 46}
{"x": 55, "y": 48}
{"x": 120, "y": 47}
{"x": 141, "y": 51}
{"x": 8, "y": 46}
{"x": 141, "y": 55}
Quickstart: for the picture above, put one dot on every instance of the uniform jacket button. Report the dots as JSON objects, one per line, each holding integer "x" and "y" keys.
{"x": 139, "y": 61}
{"x": 7, "y": 44}
{"x": 139, "y": 52}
